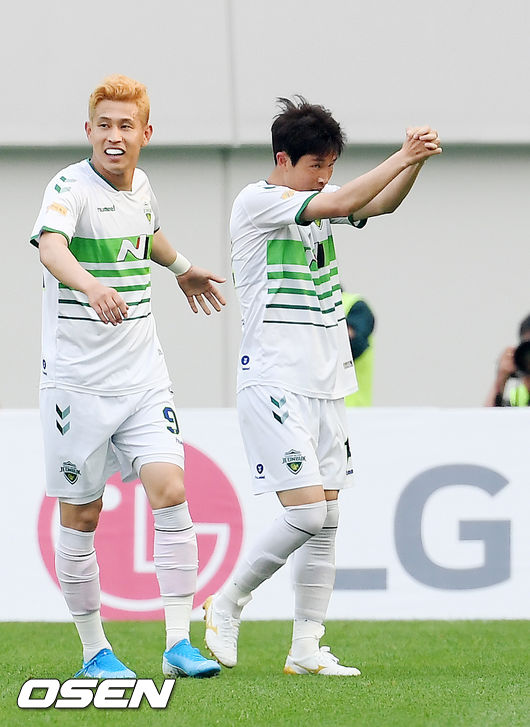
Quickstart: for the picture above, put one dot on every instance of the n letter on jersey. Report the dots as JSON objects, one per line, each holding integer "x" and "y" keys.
{"x": 139, "y": 250}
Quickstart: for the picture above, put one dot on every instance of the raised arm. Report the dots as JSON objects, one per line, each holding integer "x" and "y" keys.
{"x": 57, "y": 258}
{"x": 382, "y": 189}
{"x": 505, "y": 369}
{"x": 195, "y": 283}
{"x": 389, "y": 199}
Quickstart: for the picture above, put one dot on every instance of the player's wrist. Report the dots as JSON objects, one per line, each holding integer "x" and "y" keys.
{"x": 180, "y": 265}
{"x": 403, "y": 159}
{"x": 91, "y": 286}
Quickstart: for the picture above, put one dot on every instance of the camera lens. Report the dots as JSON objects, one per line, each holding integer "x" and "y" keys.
{"x": 522, "y": 357}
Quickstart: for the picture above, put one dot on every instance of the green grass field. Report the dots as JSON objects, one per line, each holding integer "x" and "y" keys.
{"x": 414, "y": 674}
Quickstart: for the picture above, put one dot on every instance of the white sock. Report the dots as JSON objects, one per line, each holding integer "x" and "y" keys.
{"x": 78, "y": 574}
{"x": 176, "y": 564}
{"x": 90, "y": 630}
{"x": 306, "y": 638}
{"x": 177, "y": 610}
{"x": 314, "y": 577}
{"x": 287, "y": 533}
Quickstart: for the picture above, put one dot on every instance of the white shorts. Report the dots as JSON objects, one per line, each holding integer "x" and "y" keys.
{"x": 294, "y": 441}
{"x": 87, "y": 438}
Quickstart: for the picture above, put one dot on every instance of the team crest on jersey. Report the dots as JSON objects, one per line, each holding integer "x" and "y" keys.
{"x": 318, "y": 223}
{"x": 71, "y": 472}
{"x": 294, "y": 460}
{"x": 148, "y": 211}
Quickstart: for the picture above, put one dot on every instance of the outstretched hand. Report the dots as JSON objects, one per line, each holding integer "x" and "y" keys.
{"x": 197, "y": 286}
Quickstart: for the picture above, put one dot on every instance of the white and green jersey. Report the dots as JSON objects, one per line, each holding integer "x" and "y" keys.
{"x": 110, "y": 233}
{"x": 286, "y": 277}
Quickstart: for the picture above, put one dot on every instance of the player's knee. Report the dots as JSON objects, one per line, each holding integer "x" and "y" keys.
{"x": 308, "y": 518}
{"x": 163, "y": 484}
{"x": 167, "y": 494}
{"x": 81, "y": 517}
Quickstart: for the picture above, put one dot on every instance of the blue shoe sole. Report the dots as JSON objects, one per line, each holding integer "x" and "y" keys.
{"x": 170, "y": 670}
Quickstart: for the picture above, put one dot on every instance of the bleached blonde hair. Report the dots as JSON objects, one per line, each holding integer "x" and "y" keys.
{"x": 120, "y": 88}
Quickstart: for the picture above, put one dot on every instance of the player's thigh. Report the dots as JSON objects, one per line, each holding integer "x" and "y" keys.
{"x": 334, "y": 453}
{"x": 151, "y": 434}
{"x": 280, "y": 437}
{"x": 78, "y": 455}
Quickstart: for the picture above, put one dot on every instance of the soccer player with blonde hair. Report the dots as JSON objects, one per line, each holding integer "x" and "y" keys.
{"x": 106, "y": 399}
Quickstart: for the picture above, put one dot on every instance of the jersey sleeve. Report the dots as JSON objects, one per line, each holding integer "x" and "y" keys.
{"x": 155, "y": 209}
{"x": 270, "y": 207}
{"x": 60, "y": 210}
{"x": 358, "y": 224}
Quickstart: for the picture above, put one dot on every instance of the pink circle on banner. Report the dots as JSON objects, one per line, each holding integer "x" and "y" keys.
{"x": 124, "y": 539}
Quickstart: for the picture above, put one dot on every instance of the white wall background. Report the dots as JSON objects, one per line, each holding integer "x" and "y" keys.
{"x": 447, "y": 275}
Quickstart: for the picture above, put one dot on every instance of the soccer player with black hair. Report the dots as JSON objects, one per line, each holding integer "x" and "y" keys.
{"x": 295, "y": 364}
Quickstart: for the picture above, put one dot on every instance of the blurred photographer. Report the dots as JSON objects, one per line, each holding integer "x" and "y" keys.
{"x": 514, "y": 364}
{"x": 361, "y": 322}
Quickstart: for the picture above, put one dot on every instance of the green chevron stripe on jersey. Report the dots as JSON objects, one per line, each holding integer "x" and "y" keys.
{"x": 287, "y": 265}
{"x": 287, "y": 274}
{"x": 305, "y": 323}
{"x": 120, "y": 288}
{"x": 305, "y": 291}
{"x": 87, "y": 250}
{"x": 87, "y": 305}
{"x": 119, "y": 272}
{"x": 286, "y": 252}
{"x": 98, "y": 320}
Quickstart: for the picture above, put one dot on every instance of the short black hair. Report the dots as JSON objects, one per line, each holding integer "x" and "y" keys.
{"x": 525, "y": 327}
{"x": 303, "y": 128}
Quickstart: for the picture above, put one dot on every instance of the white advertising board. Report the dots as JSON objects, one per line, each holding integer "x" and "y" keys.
{"x": 435, "y": 527}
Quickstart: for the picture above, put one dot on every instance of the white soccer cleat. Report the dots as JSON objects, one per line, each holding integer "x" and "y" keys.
{"x": 222, "y": 631}
{"x": 323, "y": 662}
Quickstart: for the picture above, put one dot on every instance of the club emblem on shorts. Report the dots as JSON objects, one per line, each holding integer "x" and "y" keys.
{"x": 294, "y": 460}
{"x": 71, "y": 472}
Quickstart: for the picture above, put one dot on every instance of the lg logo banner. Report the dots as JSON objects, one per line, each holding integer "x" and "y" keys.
{"x": 492, "y": 534}
{"x": 124, "y": 539}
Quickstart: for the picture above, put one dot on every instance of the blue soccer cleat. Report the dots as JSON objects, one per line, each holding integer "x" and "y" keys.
{"x": 104, "y": 665}
{"x": 183, "y": 660}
